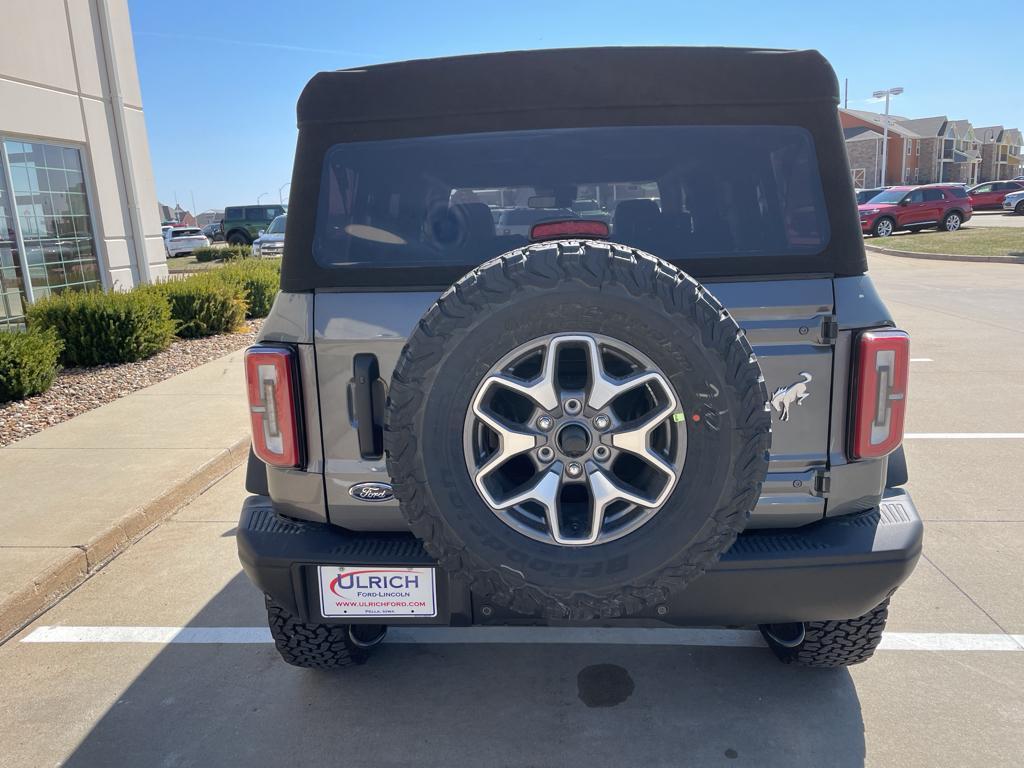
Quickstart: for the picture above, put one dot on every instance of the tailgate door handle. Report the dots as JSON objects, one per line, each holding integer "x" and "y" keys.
{"x": 368, "y": 405}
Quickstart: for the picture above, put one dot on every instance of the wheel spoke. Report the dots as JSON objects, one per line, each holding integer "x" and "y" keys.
{"x": 543, "y": 492}
{"x": 604, "y": 492}
{"x": 511, "y": 442}
{"x": 636, "y": 441}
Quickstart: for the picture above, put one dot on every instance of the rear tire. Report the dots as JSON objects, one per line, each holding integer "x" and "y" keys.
{"x": 321, "y": 646}
{"x": 1019, "y": 210}
{"x": 951, "y": 222}
{"x": 237, "y": 238}
{"x": 828, "y": 644}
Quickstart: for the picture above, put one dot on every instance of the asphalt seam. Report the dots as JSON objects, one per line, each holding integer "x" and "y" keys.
{"x": 965, "y": 594}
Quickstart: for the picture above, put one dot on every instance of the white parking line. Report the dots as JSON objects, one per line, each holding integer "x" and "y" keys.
{"x": 921, "y": 360}
{"x": 964, "y": 436}
{"x": 731, "y": 638}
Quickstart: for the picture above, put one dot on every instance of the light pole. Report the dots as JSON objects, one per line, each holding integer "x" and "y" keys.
{"x": 260, "y": 195}
{"x": 885, "y": 125}
{"x": 280, "y": 192}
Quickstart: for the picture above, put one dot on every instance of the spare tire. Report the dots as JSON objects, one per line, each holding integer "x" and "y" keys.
{"x": 577, "y": 428}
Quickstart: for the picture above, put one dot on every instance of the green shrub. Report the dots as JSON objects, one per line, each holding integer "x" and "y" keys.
{"x": 203, "y": 305}
{"x": 207, "y": 253}
{"x": 235, "y": 252}
{"x": 259, "y": 281}
{"x": 28, "y": 362}
{"x": 98, "y": 328}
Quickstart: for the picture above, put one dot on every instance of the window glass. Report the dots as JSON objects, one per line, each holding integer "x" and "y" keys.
{"x": 677, "y": 191}
{"x": 232, "y": 214}
{"x": 981, "y": 189}
{"x": 12, "y": 301}
{"x": 917, "y": 196}
{"x": 260, "y": 213}
{"x": 277, "y": 225}
{"x": 52, "y": 210}
{"x": 931, "y": 195}
{"x": 186, "y": 232}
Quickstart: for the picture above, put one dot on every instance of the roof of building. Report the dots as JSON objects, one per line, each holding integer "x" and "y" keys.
{"x": 989, "y": 134}
{"x": 861, "y": 133}
{"x": 926, "y": 126}
{"x": 961, "y": 128}
{"x": 896, "y": 123}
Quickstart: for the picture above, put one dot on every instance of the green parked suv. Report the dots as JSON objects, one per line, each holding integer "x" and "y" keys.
{"x": 242, "y": 223}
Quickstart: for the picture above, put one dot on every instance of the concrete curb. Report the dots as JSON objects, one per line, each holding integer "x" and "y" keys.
{"x": 80, "y": 562}
{"x": 946, "y": 256}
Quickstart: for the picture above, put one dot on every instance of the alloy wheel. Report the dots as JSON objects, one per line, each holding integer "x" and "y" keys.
{"x": 574, "y": 439}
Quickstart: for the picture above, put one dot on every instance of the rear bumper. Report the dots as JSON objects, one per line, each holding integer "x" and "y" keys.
{"x": 835, "y": 569}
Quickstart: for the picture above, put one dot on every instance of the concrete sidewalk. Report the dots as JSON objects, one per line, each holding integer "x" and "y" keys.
{"x": 77, "y": 493}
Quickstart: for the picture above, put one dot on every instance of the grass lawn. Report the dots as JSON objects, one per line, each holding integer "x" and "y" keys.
{"x": 969, "y": 241}
{"x": 189, "y": 264}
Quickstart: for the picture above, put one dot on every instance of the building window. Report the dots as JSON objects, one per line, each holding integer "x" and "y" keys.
{"x": 52, "y": 213}
{"x": 910, "y": 146}
{"x": 918, "y": 149}
{"x": 12, "y": 304}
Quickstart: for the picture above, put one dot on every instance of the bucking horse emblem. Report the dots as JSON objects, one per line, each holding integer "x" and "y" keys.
{"x": 786, "y": 397}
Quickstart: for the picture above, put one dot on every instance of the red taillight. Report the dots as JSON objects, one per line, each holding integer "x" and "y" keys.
{"x": 883, "y": 362}
{"x": 271, "y": 383}
{"x": 552, "y": 230}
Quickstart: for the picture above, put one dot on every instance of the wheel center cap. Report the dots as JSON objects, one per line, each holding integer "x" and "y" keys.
{"x": 573, "y": 440}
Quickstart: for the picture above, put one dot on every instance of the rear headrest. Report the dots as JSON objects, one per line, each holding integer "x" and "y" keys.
{"x": 461, "y": 224}
{"x": 478, "y": 218}
{"x": 636, "y": 217}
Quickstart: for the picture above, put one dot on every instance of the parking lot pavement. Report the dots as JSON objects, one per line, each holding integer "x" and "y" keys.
{"x": 717, "y": 702}
{"x": 995, "y": 219}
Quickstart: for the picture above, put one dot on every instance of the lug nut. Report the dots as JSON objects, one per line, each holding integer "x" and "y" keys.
{"x": 574, "y": 469}
{"x": 573, "y": 406}
{"x": 544, "y": 423}
{"x": 545, "y": 453}
{"x": 601, "y": 421}
{"x": 601, "y": 452}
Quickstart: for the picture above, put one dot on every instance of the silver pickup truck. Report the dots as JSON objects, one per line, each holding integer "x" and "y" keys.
{"x": 679, "y": 404}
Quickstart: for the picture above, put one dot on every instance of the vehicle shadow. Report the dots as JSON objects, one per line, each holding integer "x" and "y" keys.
{"x": 475, "y": 705}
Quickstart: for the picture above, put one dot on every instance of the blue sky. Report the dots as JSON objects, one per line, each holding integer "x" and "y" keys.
{"x": 220, "y": 79}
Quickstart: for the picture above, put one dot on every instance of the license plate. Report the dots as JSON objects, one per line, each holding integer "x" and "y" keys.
{"x": 365, "y": 590}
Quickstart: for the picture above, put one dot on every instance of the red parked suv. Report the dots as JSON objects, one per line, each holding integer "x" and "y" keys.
{"x": 991, "y": 193}
{"x": 945, "y": 206}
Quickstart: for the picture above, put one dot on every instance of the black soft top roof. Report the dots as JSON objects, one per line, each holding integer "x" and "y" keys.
{"x": 575, "y": 78}
{"x": 569, "y": 88}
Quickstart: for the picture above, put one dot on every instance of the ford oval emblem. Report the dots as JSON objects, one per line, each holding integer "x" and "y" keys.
{"x": 372, "y": 492}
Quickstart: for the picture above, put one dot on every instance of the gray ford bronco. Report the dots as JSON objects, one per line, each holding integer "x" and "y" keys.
{"x": 674, "y": 398}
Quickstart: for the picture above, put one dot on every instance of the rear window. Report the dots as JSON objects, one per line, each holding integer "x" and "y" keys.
{"x": 261, "y": 213}
{"x": 185, "y": 232}
{"x": 677, "y": 191}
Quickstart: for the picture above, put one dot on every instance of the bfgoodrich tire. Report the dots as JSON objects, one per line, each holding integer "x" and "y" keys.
{"x": 828, "y": 643}
{"x": 609, "y": 292}
{"x": 320, "y": 646}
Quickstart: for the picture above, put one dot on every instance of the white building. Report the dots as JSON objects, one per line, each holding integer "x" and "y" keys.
{"x": 78, "y": 203}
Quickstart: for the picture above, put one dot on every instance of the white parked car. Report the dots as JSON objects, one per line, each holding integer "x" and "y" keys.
{"x": 270, "y": 243}
{"x": 179, "y": 241}
{"x": 1014, "y": 202}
